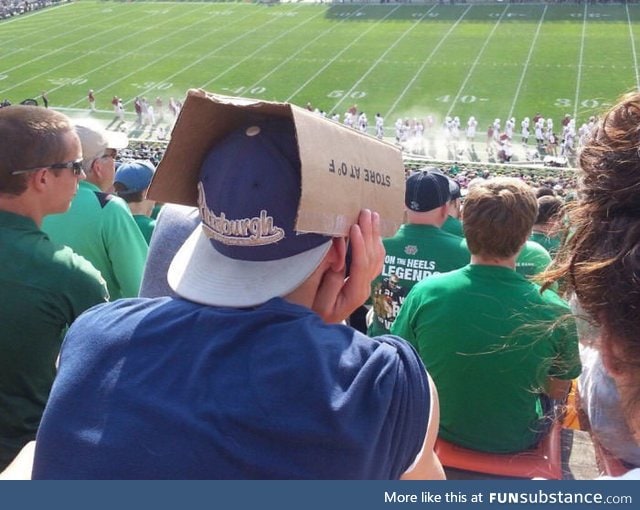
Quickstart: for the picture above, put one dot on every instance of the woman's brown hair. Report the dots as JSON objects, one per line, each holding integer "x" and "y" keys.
{"x": 600, "y": 261}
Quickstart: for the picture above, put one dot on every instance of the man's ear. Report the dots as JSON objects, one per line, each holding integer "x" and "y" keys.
{"x": 96, "y": 168}
{"x": 40, "y": 178}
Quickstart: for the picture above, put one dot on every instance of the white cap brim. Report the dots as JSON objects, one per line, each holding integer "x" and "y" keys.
{"x": 116, "y": 139}
{"x": 201, "y": 274}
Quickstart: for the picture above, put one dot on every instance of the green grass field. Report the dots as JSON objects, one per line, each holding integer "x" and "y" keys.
{"x": 489, "y": 61}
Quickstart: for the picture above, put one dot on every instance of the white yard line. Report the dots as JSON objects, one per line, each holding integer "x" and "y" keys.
{"x": 76, "y": 21}
{"x": 300, "y": 50}
{"x": 379, "y": 59}
{"x": 526, "y": 63}
{"x": 475, "y": 62}
{"x": 54, "y": 50}
{"x": 47, "y": 71}
{"x": 579, "y": 77}
{"x": 633, "y": 46}
{"x": 151, "y": 63}
{"x": 320, "y": 71}
{"x": 77, "y": 110}
{"x": 208, "y": 55}
{"x": 426, "y": 61}
{"x": 261, "y": 49}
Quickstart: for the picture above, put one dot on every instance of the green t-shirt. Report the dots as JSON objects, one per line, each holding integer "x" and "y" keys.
{"x": 414, "y": 253}
{"x": 155, "y": 211}
{"x": 43, "y": 288}
{"x": 490, "y": 340}
{"x": 146, "y": 225}
{"x": 533, "y": 259}
{"x": 453, "y": 226}
{"x": 549, "y": 243}
{"x": 99, "y": 226}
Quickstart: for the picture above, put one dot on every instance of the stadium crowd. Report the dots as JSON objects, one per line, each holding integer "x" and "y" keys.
{"x": 10, "y": 8}
{"x": 179, "y": 331}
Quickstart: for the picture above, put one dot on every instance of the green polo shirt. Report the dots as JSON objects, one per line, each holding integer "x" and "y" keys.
{"x": 43, "y": 288}
{"x": 100, "y": 227}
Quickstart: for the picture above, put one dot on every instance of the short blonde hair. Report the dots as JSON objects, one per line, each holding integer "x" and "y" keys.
{"x": 498, "y": 216}
{"x": 31, "y": 136}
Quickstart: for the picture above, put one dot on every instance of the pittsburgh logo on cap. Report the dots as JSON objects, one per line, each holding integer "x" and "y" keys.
{"x": 256, "y": 231}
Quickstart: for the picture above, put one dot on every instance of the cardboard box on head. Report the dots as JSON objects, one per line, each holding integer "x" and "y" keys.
{"x": 342, "y": 170}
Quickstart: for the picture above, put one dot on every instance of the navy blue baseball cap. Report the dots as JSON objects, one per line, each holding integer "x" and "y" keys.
{"x": 247, "y": 249}
{"x": 454, "y": 189}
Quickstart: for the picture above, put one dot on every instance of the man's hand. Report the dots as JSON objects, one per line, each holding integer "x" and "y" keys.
{"x": 337, "y": 296}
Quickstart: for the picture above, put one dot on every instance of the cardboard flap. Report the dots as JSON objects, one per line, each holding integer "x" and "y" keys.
{"x": 203, "y": 119}
{"x": 342, "y": 170}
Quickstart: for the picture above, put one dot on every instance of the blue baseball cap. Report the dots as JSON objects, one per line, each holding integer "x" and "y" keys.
{"x": 247, "y": 250}
{"x": 134, "y": 175}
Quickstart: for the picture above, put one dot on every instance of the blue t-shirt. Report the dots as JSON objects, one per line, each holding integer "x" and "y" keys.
{"x": 169, "y": 389}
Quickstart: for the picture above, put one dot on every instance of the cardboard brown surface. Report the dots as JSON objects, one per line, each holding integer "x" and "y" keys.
{"x": 343, "y": 170}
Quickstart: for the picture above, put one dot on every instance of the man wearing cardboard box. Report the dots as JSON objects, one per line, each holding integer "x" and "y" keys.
{"x": 249, "y": 373}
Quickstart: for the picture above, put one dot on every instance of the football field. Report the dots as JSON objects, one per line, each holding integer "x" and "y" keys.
{"x": 401, "y": 60}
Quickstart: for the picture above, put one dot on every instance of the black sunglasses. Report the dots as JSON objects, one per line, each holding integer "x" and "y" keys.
{"x": 75, "y": 166}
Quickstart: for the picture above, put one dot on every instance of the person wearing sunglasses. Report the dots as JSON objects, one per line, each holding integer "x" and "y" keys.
{"x": 44, "y": 287}
{"x": 99, "y": 225}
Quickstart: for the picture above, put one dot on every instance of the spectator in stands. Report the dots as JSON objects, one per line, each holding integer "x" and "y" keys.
{"x": 493, "y": 343}
{"x": 600, "y": 261}
{"x": 99, "y": 225}
{"x": 600, "y": 401}
{"x": 547, "y": 230}
{"x": 43, "y": 286}
{"x": 533, "y": 257}
{"x": 453, "y": 224}
{"x": 249, "y": 374}
{"x": 174, "y": 225}
{"x": 545, "y": 190}
{"x": 419, "y": 249}
{"x": 131, "y": 183}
